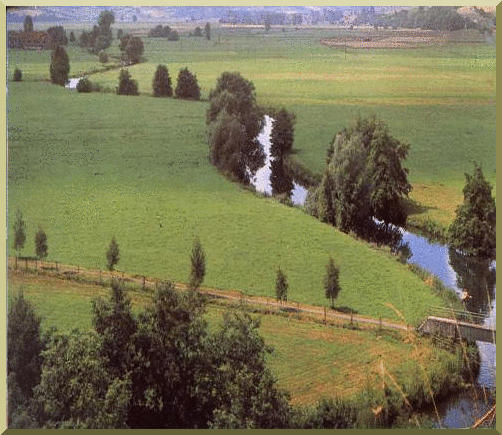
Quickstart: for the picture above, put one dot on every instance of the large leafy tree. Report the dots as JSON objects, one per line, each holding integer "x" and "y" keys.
{"x": 115, "y": 324}
{"x": 162, "y": 83}
{"x": 364, "y": 178}
{"x": 473, "y": 230}
{"x": 76, "y": 389}
{"x": 172, "y": 380}
{"x": 132, "y": 49}
{"x": 24, "y": 345}
{"x": 235, "y": 96}
{"x": 246, "y": 391}
{"x": 60, "y": 66}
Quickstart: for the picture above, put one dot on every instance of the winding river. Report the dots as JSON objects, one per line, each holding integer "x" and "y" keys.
{"x": 477, "y": 278}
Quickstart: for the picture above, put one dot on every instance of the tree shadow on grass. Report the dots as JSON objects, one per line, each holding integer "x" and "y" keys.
{"x": 413, "y": 207}
{"x": 346, "y": 310}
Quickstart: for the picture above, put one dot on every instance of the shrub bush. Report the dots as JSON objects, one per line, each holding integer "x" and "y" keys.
{"x": 18, "y": 75}
{"x": 84, "y": 85}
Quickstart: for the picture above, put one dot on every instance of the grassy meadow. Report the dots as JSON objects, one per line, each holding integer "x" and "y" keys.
{"x": 438, "y": 98}
{"x": 98, "y": 165}
{"x": 329, "y": 363}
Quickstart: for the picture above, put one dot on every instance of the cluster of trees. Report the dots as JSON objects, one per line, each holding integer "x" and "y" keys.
{"x": 234, "y": 121}
{"x": 473, "y": 232}
{"x": 164, "y": 32}
{"x": 100, "y": 37}
{"x": 427, "y": 18}
{"x": 41, "y": 245}
{"x": 199, "y": 32}
{"x": 132, "y": 49}
{"x": 186, "y": 88}
{"x": 29, "y": 38}
{"x": 364, "y": 179}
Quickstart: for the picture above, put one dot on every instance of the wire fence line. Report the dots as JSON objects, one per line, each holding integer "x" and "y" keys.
{"x": 299, "y": 310}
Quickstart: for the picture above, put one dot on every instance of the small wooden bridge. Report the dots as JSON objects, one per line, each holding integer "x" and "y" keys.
{"x": 458, "y": 325}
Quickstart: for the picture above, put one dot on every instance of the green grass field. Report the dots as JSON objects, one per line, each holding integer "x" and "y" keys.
{"x": 311, "y": 361}
{"x": 98, "y": 165}
{"x": 440, "y": 99}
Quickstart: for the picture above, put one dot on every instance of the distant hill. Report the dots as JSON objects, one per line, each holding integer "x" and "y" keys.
{"x": 185, "y": 13}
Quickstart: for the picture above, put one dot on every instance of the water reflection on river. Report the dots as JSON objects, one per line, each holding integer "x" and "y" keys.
{"x": 476, "y": 277}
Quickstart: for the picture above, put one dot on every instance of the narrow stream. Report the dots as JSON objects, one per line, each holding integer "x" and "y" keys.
{"x": 477, "y": 278}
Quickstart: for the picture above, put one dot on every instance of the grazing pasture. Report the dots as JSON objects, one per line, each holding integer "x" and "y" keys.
{"x": 98, "y": 165}
{"x": 311, "y": 361}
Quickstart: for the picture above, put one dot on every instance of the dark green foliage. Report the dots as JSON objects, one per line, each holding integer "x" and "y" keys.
{"x": 84, "y": 85}
{"x": 113, "y": 254}
{"x": 24, "y": 345}
{"x": 132, "y": 49}
{"x": 56, "y": 36}
{"x": 280, "y": 180}
{"x": 19, "y": 232}
{"x": 120, "y": 33}
{"x": 100, "y": 38}
{"x": 364, "y": 178}
{"x": 60, "y": 66}
{"x": 162, "y": 83}
{"x": 103, "y": 57}
{"x": 197, "y": 32}
{"x": 160, "y": 32}
{"x": 72, "y": 37}
{"x": 41, "y": 246}
{"x": 282, "y": 136}
{"x": 187, "y": 86}
{"x": 198, "y": 265}
{"x": 173, "y": 36}
{"x": 247, "y": 395}
{"x": 18, "y": 75}
{"x": 28, "y": 24}
{"x": 172, "y": 375}
{"x": 473, "y": 230}
{"x": 76, "y": 389}
{"x": 281, "y": 286}
{"x": 227, "y": 139}
{"x": 207, "y": 31}
{"x": 428, "y": 18}
{"x": 127, "y": 86}
{"x": 233, "y": 100}
{"x": 106, "y": 19}
{"x": 116, "y": 325}
{"x": 331, "y": 282}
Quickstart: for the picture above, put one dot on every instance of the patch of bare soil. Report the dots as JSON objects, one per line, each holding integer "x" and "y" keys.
{"x": 388, "y": 39}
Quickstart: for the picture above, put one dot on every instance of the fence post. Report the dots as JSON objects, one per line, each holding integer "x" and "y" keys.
{"x": 324, "y": 315}
{"x": 16, "y": 262}
{"x": 143, "y": 282}
{"x": 298, "y": 309}
{"x": 100, "y": 280}
{"x": 380, "y": 323}
{"x": 351, "y": 316}
{"x": 78, "y": 268}
{"x": 26, "y": 264}
{"x": 57, "y": 270}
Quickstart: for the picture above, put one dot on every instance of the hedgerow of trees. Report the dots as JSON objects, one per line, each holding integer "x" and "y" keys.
{"x": 473, "y": 232}
{"x": 234, "y": 121}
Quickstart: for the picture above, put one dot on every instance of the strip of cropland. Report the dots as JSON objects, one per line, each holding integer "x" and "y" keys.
{"x": 86, "y": 167}
{"x": 438, "y": 96}
{"x": 310, "y": 360}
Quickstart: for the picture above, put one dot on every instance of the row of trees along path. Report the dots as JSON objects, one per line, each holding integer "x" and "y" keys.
{"x": 104, "y": 277}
